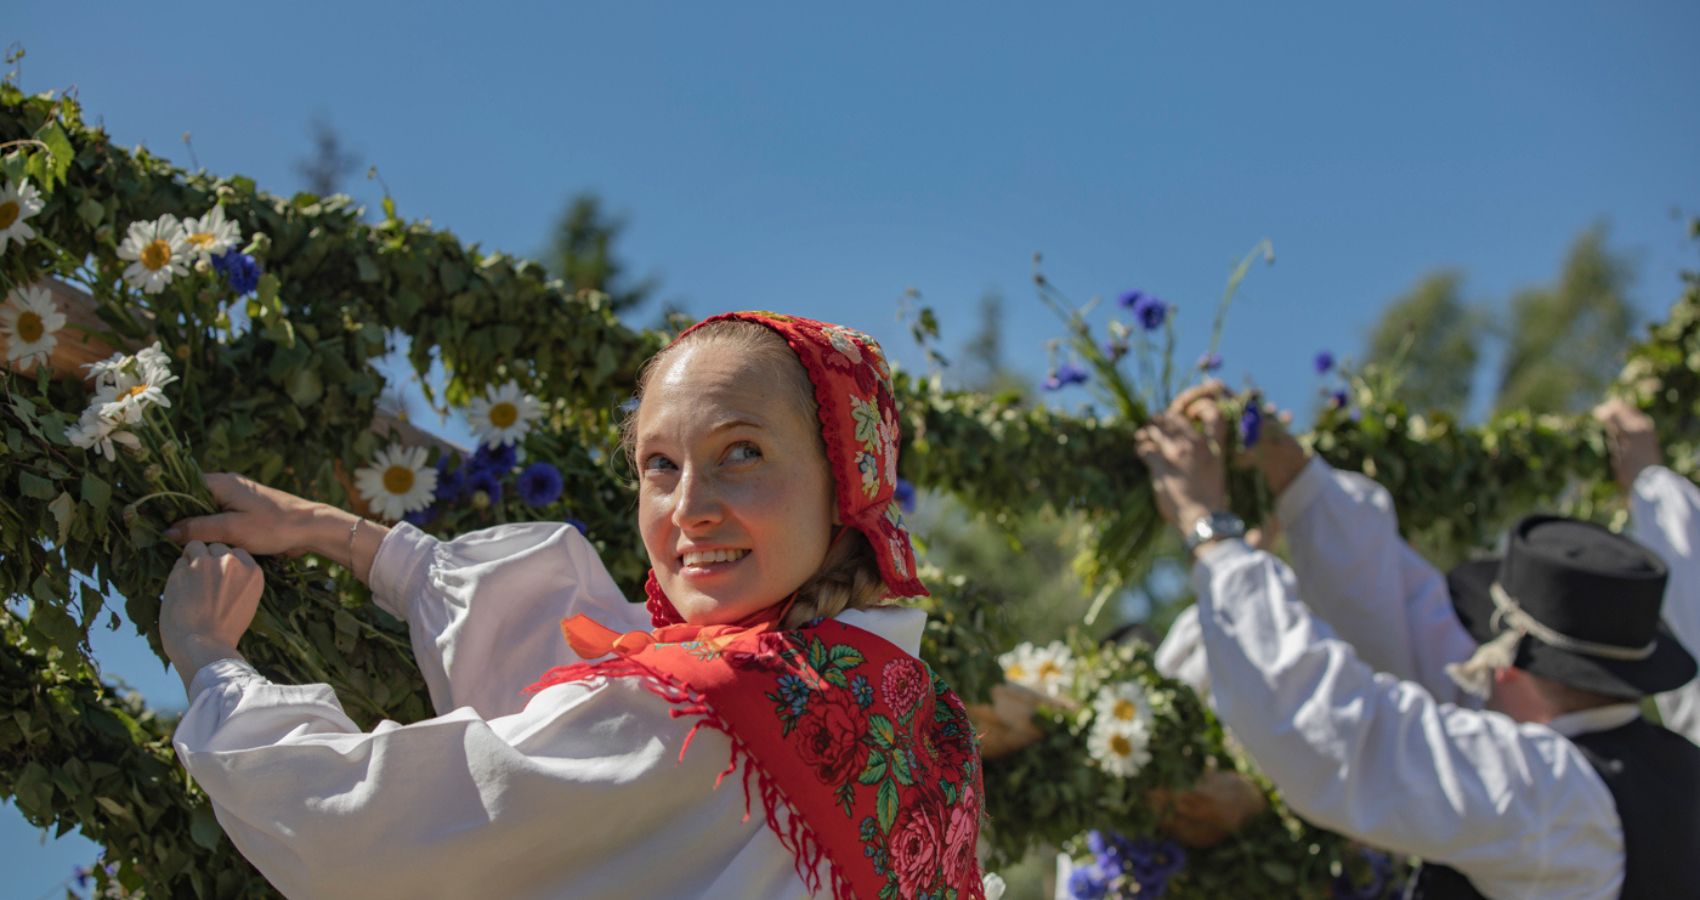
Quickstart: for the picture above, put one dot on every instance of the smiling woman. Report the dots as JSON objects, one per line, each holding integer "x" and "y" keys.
{"x": 765, "y": 447}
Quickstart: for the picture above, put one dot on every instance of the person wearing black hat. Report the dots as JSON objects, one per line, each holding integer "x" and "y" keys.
{"x": 1557, "y": 788}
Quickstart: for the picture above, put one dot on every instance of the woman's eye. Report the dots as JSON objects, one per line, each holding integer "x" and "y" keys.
{"x": 657, "y": 463}
{"x": 743, "y": 453}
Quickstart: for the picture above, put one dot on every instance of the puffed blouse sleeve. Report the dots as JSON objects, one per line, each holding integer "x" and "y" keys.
{"x": 484, "y": 610}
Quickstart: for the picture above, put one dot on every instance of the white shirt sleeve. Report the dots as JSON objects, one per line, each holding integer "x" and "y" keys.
{"x": 1664, "y": 512}
{"x": 1181, "y": 654}
{"x": 1372, "y": 589}
{"x": 484, "y": 610}
{"x": 1515, "y": 807}
{"x": 582, "y": 794}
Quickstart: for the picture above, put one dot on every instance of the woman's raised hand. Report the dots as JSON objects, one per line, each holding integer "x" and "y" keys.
{"x": 1634, "y": 443}
{"x": 264, "y": 521}
{"x": 209, "y": 602}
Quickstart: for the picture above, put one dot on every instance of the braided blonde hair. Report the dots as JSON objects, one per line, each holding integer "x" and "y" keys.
{"x": 849, "y": 577}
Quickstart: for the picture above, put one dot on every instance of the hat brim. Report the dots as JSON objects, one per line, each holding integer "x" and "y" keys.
{"x": 1670, "y": 666}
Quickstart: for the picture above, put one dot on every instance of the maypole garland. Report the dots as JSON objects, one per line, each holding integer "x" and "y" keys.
{"x": 270, "y": 348}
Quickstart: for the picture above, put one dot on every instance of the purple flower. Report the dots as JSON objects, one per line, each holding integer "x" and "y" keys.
{"x": 80, "y": 875}
{"x": 1065, "y": 375}
{"x": 1210, "y": 362}
{"x": 579, "y": 524}
{"x": 1324, "y": 362}
{"x": 240, "y": 271}
{"x": 905, "y": 495}
{"x": 1115, "y": 349}
{"x": 499, "y": 459}
{"x": 419, "y": 518}
{"x": 1147, "y": 308}
{"x": 539, "y": 484}
{"x": 1338, "y": 400}
{"x": 485, "y": 481}
{"x": 1251, "y": 422}
{"x": 451, "y": 480}
{"x": 1088, "y": 882}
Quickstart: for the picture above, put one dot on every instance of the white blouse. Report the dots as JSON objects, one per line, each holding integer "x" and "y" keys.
{"x": 1664, "y": 514}
{"x": 580, "y": 793}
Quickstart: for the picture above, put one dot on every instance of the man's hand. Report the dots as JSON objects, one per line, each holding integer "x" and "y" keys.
{"x": 1187, "y": 474}
{"x": 1634, "y": 444}
{"x": 210, "y": 600}
{"x": 1277, "y": 454}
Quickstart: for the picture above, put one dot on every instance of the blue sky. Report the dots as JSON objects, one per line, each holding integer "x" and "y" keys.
{"x": 822, "y": 162}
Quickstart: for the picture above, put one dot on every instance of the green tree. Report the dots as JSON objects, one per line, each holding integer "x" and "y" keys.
{"x": 1432, "y": 338}
{"x": 1566, "y": 341}
{"x": 581, "y": 253}
{"x": 329, "y": 163}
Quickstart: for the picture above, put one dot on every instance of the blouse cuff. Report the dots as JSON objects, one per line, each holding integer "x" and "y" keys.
{"x": 400, "y": 567}
{"x": 221, "y": 672}
{"x": 1653, "y": 482}
{"x": 1302, "y": 491}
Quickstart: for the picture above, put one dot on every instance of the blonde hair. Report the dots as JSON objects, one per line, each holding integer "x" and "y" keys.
{"x": 849, "y": 576}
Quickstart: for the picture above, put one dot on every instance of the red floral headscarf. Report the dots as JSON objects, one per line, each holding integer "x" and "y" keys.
{"x": 858, "y": 420}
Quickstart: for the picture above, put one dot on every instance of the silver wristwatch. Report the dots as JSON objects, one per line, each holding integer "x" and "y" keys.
{"x": 1216, "y": 526}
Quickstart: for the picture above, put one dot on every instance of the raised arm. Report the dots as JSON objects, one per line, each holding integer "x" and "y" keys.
{"x": 1664, "y": 515}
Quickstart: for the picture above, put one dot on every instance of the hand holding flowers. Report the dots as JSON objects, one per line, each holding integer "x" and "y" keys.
{"x": 210, "y": 600}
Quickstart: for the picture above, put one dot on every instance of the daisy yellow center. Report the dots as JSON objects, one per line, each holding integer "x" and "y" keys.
{"x": 1120, "y": 745}
{"x": 201, "y": 239}
{"x": 30, "y": 328}
{"x": 1049, "y": 670}
{"x": 136, "y": 391}
{"x": 156, "y": 255}
{"x": 504, "y": 415}
{"x": 1015, "y": 673}
{"x": 398, "y": 479}
{"x": 9, "y": 213}
{"x": 1124, "y": 710}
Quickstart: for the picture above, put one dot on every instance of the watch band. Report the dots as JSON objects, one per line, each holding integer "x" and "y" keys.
{"x": 1218, "y": 525}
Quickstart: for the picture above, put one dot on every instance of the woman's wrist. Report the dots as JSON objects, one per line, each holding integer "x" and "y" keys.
{"x": 193, "y": 653}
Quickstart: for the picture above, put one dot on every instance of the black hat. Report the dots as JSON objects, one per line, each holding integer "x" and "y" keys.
{"x": 1600, "y": 592}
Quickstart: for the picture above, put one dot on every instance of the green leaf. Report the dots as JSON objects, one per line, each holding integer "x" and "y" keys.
{"x": 900, "y": 768}
{"x": 887, "y": 805}
{"x": 64, "y": 510}
{"x": 367, "y": 270}
{"x": 33, "y": 791}
{"x": 96, "y": 493}
{"x": 304, "y": 386}
{"x": 881, "y": 730}
{"x": 845, "y": 656}
{"x": 59, "y": 145}
{"x": 1279, "y": 872}
{"x": 204, "y": 829}
{"x": 875, "y": 769}
{"x": 55, "y": 625}
{"x": 35, "y": 486}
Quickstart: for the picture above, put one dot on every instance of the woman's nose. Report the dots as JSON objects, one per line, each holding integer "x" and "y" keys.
{"x": 698, "y": 501}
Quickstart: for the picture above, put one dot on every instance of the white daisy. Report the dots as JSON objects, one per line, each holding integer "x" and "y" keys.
{"x": 1048, "y": 670}
{"x": 1120, "y": 749}
{"x": 125, "y": 391}
{"x": 211, "y": 234}
{"x": 159, "y": 251}
{"x": 503, "y": 415}
{"x": 17, "y": 204}
{"x": 1125, "y": 703}
{"x": 95, "y": 433}
{"x": 398, "y": 481}
{"x": 30, "y": 320}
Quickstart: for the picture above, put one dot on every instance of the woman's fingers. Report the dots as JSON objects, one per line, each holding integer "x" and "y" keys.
{"x": 217, "y": 527}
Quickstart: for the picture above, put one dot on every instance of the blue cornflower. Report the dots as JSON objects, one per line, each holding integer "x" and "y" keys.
{"x": 419, "y": 518}
{"x": 1147, "y": 308}
{"x": 905, "y": 495}
{"x": 1210, "y": 362}
{"x": 499, "y": 459}
{"x": 1064, "y": 375}
{"x": 1324, "y": 362}
{"x": 579, "y": 524}
{"x": 1380, "y": 872}
{"x": 240, "y": 271}
{"x": 484, "y": 481}
{"x": 80, "y": 875}
{"x": 1088, "y": 882}
{"x": 1338, "y": 400}
{"x": 862, "y": 691}
{"x": 539, "y": 484}
{"x": 1251, "y": 422}
{"x": 451, "y": 480}
{"x": 793, "y": 693}
{"x": 1115, "y": 349}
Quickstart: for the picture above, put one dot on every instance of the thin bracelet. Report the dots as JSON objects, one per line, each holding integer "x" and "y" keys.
{"x": 352, "y": 529}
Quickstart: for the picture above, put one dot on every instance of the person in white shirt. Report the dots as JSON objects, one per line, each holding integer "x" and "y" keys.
{"x": 766, "y": 451}
{"x": 1553, "y": 790}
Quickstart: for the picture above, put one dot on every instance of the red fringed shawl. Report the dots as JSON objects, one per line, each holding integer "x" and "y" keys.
{"x": 871, "y": 755}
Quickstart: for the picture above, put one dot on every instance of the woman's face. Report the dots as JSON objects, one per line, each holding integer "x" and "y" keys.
{"x": 735, "y": 496}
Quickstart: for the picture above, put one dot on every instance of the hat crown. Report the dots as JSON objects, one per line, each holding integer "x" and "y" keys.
{"x": 1584, "y": 581}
